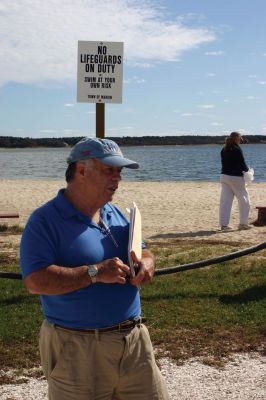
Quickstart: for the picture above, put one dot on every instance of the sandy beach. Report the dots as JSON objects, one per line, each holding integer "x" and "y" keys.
{"x": 181, "y": 210}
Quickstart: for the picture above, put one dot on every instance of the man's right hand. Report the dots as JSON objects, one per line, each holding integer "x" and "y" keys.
{"x": 112, "y": 270}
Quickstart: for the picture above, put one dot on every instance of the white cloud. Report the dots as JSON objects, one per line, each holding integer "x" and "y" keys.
{"x": 59, "y": 131}
{"x": 186, "y": 115}
{"x": 134, "y": 80}
{"x": 123, "y": 128}
{"x": 262, "y": 82}
{"x": 50, "y": 130}
{"x": 206, "y": 106}
{"x": 214, "y": 53}
{"x": 135, "y": 64}
{"x": 39, "y": 38}
{"x": 216, "y": 124}
{"x": 210, "y": 74}
{"x": 68, "y": 105}
{"x": 70, "y": 132}
{"x": 251, "y": 98}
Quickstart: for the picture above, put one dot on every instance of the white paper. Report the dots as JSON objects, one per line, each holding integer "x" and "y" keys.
{"x": 135, "y": 236}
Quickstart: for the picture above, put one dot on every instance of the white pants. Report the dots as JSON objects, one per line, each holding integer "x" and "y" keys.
{"x": 233, "y": 186}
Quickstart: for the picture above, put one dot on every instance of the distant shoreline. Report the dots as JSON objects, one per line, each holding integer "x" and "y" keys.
{"x": 19, "y": 142}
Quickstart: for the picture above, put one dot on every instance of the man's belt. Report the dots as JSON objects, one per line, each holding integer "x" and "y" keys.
{"x": 123, "y": 326}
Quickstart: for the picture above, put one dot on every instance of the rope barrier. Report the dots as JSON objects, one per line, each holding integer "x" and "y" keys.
{"x": 210, "y": 261}
{"x": 10, "y": 275}
{"x": 180, "y": 268}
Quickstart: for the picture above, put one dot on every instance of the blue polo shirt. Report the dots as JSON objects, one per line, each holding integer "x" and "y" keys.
{"x": 57, "y": 233}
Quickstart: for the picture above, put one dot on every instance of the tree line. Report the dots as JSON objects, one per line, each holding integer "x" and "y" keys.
{"x": 19, "y": 142}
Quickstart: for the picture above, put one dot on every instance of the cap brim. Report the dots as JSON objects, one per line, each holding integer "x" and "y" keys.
{"x": 117, "y": 161}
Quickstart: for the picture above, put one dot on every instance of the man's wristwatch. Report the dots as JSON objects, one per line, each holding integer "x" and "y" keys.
{"x": 92, "y": 272}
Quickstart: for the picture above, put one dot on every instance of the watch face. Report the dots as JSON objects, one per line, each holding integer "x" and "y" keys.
{"x": 92, "y": 270}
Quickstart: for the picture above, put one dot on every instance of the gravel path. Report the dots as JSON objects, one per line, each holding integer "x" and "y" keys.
{"x": 244, "y": 378}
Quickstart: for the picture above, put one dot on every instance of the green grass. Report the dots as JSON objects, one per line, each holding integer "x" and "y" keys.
{"x": 209, "y": 312}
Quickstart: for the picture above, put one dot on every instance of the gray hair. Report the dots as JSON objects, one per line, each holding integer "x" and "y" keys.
{"x": 71, "y": 169}
{"x": 89, "y": 163}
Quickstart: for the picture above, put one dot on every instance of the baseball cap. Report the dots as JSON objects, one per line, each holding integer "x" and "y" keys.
{"x": 104, "y": 150}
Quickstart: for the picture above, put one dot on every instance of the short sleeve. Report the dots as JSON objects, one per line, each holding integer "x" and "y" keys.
{"x": 38, "y": 247}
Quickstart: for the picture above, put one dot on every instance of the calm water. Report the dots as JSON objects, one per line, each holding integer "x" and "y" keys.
{"x": 171, "y": 163}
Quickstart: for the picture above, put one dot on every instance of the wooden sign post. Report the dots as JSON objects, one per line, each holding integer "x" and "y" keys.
{"x": 100, "y": 77}
{"x": 100, "y": 120}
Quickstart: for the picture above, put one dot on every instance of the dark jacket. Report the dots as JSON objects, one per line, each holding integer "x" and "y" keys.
{"x": 233, "y": 162}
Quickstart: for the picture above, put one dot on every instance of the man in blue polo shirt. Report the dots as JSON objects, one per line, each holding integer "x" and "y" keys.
{"x": 93, "y": 343}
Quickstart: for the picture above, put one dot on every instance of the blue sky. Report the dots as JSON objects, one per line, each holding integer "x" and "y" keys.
{"x": 191, "y": 67}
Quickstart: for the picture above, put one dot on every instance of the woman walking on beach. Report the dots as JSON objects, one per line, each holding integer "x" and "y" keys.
{"x": 233, "y": 183}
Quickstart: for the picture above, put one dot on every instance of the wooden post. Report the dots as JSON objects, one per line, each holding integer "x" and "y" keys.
{"x": 261, "y": 220}
{"x": 100, "y": 120}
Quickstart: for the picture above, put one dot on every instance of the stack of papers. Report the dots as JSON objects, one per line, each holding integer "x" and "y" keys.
{"x": 134, "y": 242}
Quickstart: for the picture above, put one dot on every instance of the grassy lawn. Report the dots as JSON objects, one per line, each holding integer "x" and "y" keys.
{"x": 210, "y": 312}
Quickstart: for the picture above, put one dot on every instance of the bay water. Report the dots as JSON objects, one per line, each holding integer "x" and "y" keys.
{"x": 157, "y": 163}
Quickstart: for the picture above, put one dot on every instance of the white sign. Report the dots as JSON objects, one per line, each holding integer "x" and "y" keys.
{"x": 100, "y": 72}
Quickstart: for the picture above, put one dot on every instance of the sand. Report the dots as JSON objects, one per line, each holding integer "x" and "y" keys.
{"x": 177, "y": 210}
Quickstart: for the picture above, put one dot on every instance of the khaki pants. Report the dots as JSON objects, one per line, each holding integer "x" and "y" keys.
{"x": 100, "y": 366}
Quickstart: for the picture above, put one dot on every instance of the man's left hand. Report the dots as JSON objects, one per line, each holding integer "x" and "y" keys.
{"x": 145, "y": 269}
